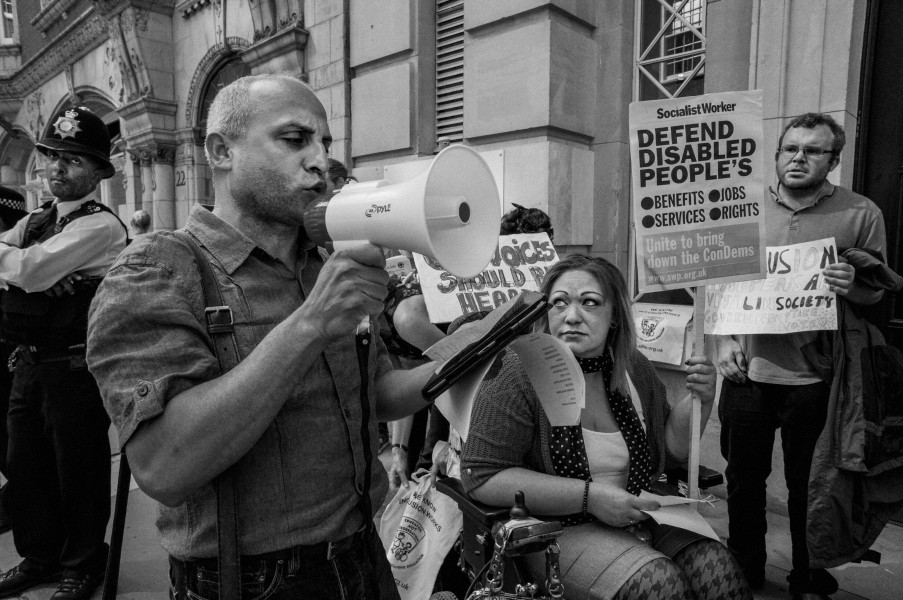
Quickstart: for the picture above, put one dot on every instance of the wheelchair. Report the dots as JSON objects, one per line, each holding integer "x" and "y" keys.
{"x": 493, "y": 541}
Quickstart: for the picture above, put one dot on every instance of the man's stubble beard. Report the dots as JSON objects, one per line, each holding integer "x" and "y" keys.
{"x": 268, "y": 196}
{"x": 803, "y": 187}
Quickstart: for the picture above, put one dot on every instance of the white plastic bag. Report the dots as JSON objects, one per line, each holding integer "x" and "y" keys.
{"x": 418, "y": 528}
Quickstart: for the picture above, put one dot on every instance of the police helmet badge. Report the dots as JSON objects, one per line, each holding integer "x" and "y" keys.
{"x": 66, "y": 126}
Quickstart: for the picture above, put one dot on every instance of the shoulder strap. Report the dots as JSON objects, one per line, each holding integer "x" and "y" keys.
{"x": 92, "y": 207}
{"x": 222, "y": 333}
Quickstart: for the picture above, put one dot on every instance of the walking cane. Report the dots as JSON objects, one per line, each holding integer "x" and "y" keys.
{"x": 111, "y": 578}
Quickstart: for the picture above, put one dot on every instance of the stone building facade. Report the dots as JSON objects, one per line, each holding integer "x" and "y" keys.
{"x": 540, "y": 87}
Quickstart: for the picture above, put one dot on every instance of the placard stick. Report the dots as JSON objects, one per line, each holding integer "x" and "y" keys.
{"x": 698, "y": 348}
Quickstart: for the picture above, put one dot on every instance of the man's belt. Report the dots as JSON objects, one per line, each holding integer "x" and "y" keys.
{"x": 38, "y": 354}
{"x": 321, "y": 551}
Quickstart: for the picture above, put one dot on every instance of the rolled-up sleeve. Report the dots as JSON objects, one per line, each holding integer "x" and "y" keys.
{"x": 502, "y": 425}
{"x": 146, "y": 338}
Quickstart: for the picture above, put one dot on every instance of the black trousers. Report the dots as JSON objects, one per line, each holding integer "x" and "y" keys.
{"x": 750, "y": 414}
{"x": 59, "y": 466}
{"x": 6, "y": 386}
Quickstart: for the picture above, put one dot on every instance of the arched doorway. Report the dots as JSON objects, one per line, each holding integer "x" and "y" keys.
{"x": 225, "y": 72}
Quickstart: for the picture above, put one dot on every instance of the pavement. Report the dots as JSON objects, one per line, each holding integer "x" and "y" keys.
{"x": 144, "y": 569}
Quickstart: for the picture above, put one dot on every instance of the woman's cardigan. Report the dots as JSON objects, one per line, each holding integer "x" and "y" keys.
{"x": 508, "y": 427}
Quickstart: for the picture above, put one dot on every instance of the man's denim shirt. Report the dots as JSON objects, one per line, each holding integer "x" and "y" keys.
{"x": 147, "y": 343}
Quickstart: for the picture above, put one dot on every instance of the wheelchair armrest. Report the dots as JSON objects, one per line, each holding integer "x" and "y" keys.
{"x": 707, "y": 477}
{"x": 482, "y": 513}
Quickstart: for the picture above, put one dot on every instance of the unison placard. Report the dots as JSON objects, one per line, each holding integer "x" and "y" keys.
{"x": 793, "y": 297}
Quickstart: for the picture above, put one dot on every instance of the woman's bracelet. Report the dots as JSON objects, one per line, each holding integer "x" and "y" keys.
{"x": 402, "y": 446}
{"x": 585, "y": 497}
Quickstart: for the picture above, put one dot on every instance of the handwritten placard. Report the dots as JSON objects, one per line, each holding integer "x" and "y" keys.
{"x": 793, "y": 297}
{"x": 519, "y": 263}
{"x": 698, "y": 190}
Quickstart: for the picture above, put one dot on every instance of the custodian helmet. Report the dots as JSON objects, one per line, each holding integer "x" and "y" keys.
{"x": 80, "y": 131}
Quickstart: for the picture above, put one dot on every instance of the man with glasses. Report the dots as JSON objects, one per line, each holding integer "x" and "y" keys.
{"x": 768, "y": 383}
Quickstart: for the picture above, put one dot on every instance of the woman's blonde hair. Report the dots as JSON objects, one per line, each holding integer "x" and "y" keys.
{"x": 622, "y": 337}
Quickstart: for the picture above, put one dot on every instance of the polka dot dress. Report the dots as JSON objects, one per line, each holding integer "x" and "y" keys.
{"x": 569, "y": 452}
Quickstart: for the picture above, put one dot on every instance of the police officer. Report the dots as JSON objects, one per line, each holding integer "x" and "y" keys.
{"x": 59, "y": 454}
{"x": 12, "y": 208}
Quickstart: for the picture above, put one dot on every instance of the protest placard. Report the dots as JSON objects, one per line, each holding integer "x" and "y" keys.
{"x": 793, "y": 297}
{"x": 519, "y": 263}
{"x": 664, "y": 332}
{"x": 698, "y": 189}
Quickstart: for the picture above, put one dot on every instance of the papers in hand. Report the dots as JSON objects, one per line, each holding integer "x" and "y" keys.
{"x": 678, "y": 511}
{"x": 553, "y": 372}
{"x": 555, "y": 376}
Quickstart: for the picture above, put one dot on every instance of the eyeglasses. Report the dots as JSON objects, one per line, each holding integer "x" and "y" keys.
{"x": 813, "y": 153}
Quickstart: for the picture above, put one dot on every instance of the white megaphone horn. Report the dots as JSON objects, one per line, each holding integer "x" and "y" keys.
{"x": 450, "y": 213}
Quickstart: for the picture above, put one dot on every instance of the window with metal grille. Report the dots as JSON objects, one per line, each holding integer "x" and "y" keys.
{"x": 449, "y": 71}
{"x": 670, "y": 48}
{"x": 669, "y": 61}
{"x": 683, "y": 39}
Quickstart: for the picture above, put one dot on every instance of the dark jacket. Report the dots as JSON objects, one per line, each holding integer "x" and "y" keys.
{"x": 856, "y": 480}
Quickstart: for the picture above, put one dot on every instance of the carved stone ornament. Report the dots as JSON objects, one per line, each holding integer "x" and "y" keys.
{"x": 269, "y": 17}
{"x": 82, "y": 34}
{"x": 138, "y": 22}
{"x": 110, "y": 7}
{"x": 194, "y": 7}
{"x": 164, "y": 154}
{"x": 141, "y": 156}
{"x": 34, "y": 105}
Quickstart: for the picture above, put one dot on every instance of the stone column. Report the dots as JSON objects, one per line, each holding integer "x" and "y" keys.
{"x": 7, "y": 176}
{"x": 190, "y": 189}
{"x": 163, "y": 192}
{"x": 34, "y": 192}
{"x": 106, "y": 185}
{"x": 132, "y": 181}
{"x": 147, "y": 179}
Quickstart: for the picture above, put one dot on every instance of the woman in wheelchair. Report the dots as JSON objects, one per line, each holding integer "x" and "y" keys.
{"x": 589, "y": 476}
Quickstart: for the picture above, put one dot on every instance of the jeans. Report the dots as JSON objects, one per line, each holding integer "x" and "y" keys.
{"x": 750, "y": 413}
{"x": 59, "y": 466}
{"x": 360, "y": 573}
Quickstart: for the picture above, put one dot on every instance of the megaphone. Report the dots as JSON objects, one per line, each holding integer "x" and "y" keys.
{"x": 450, "y": 213}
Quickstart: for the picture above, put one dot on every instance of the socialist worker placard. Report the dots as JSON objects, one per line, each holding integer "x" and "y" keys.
{"x": 698, "y": 190}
